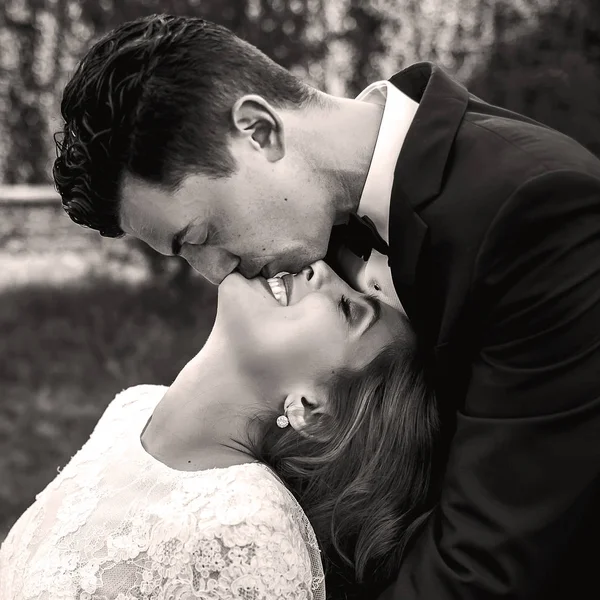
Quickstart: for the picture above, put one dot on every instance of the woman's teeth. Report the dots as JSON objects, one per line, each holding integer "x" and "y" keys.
{"x": 278, "y": 288}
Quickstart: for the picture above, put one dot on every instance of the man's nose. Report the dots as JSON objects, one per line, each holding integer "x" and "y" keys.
{"x": 212, "y": 263}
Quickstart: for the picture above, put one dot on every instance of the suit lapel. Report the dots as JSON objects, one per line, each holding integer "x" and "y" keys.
{"x": 419, "y": 174}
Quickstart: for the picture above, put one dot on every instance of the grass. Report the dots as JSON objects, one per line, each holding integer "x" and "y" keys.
{"x": 68, "y": 344}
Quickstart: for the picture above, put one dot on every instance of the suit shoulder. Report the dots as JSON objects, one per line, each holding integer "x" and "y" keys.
{"x": 536, "y": 148}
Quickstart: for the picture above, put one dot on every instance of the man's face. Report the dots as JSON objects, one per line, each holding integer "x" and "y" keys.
{"x": 274, "y": 213}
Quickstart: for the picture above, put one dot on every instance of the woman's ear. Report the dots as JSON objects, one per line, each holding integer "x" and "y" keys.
{"x": 303, "y": 410}
{"x": 254, "y": 119}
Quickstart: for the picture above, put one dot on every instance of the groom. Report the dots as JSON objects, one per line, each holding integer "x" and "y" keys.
{"x": 481, "y": 224}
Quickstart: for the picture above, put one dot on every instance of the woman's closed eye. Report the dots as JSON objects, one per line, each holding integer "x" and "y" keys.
{"x": 348, "y": 308}
{"x": 356, "y": 313}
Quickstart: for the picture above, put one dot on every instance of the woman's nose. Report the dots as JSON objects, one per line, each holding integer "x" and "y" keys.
{"x": 317, "y": 275}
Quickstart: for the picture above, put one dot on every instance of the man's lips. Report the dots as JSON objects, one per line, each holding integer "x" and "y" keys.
{"x": 271, "y": 270}
{"x": 251, "y": 273}
{"x": 268, "y": 272}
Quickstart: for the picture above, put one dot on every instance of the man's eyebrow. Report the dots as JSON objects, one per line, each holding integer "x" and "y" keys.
{"x": 177, "y": 243}
{"x": 374, "y": 303}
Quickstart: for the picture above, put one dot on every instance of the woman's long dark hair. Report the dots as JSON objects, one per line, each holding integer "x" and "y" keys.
{"x": 362, "y": 473}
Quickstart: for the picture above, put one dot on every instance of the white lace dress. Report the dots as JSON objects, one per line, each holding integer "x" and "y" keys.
{"x": 117, "y": 524}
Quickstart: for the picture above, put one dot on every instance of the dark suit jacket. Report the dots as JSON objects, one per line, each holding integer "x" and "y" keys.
{"x": 495, "y": 254}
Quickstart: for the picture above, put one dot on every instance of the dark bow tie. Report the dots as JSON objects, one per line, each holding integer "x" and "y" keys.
{"x": 360, "y": 236}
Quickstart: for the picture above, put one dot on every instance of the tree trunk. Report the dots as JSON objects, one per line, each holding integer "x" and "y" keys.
{"x": 27, "y": 82}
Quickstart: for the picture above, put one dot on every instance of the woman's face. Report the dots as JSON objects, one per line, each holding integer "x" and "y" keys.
{"x": 302, "y": 328}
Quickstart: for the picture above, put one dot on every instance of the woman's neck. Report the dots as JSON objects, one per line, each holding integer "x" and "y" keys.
{"x": 207, "y": 407}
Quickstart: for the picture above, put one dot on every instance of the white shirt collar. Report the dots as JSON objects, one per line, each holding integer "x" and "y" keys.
{"x": 374, "y": 276}
{"x": 398, "y": 114}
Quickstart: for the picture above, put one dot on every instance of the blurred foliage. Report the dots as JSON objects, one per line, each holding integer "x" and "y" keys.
{"x": 42, "y": 40}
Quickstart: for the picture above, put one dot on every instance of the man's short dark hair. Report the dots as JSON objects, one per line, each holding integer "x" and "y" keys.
{"x": 152, "y": 98}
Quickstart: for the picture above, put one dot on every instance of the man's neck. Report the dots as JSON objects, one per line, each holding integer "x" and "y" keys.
{"x": 341, "y": 138}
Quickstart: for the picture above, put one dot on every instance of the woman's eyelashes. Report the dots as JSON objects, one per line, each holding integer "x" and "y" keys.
{"x": 353, "y": 312}
{"x": 345, "y": 305}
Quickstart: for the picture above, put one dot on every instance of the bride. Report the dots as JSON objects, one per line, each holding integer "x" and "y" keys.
{"x": 297, "y": 442}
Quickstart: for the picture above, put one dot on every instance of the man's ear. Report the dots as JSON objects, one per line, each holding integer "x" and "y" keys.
{"x": 304, "y": 410}
{"x": 254, "y": 119}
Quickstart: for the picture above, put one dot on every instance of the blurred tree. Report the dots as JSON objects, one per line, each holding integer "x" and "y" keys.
{"x": 550, "y": 71}
{"x": 363, "y": 32}
{"x": 452, "y": 33}
{"x": 27, "y": 77}
{"x": 42, "y": 40}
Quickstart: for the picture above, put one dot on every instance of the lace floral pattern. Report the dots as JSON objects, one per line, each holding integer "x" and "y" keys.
{"x": 116, "y": 524}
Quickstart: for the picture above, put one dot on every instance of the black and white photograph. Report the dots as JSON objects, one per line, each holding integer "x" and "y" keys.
{"x": 299, "y": 299}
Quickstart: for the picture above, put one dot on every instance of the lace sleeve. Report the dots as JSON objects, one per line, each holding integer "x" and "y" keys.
{"x": 236, "y": 555}
{"x": 236, "y": 534}
{"x": 251, "y": 541}
{"x": 228, "y": 567}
